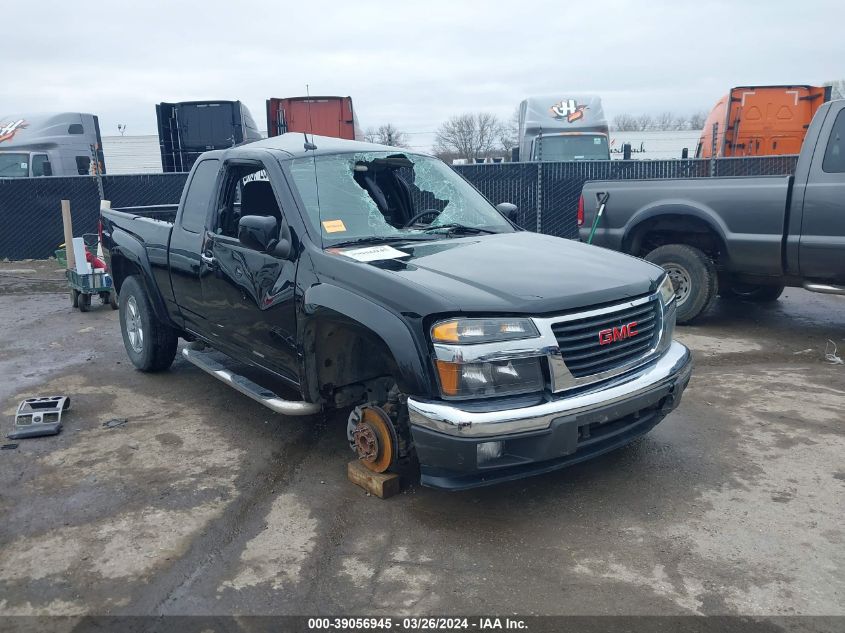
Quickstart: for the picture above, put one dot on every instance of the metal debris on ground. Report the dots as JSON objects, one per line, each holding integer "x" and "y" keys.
{"x": 41, "y": 416}
{"x": 830, "y": 355}
{"x": 114, "y": 422}
{"x": 8, "y": 447}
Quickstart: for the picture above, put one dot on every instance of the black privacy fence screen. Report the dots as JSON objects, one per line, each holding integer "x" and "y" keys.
{"x": 546, "y": 194}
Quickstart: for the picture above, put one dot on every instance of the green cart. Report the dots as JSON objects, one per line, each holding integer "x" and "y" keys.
{"x": 84, "y": 286}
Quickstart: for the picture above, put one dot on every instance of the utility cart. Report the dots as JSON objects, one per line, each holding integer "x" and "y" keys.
{"x": 85, "y": 286}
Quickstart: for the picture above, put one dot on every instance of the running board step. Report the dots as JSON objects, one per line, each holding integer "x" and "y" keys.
{"x": 828, "y": 289}
{"x": 205, "y": 360}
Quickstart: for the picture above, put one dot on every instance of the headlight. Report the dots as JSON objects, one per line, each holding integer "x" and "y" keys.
{"x": 667, "y": 290}
{"x": 667, "y": 296}
{"x": 497, "y": 378}
{"x": 482, "y": 330}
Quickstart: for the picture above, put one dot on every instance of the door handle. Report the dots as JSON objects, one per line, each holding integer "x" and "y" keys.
{"x": 208, "y": 260}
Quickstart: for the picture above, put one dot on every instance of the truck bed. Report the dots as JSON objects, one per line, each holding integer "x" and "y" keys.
{"x": 150, "y": 225}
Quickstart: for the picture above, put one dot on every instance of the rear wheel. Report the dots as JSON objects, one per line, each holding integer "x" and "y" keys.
{"x": 74, "y": 298}
{"x": 750, "y": 292}
{"x": 693, "y": 275}
{"x": 150, "y": 344}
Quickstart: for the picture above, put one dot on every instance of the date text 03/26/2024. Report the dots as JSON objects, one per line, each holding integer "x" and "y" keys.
{"x": 416, "y": 624}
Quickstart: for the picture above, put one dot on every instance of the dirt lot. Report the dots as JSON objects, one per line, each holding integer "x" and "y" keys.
{"x": 206, "y": 503}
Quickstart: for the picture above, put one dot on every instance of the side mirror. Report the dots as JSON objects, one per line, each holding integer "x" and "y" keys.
{"x": 260, "y": 232}
{"x": 514, "y": 154}
{"x": 508, "y": 210}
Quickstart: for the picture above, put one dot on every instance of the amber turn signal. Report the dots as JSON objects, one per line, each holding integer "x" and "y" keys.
{"x": 446, "y": 331}
{"x": 449, "y": 377}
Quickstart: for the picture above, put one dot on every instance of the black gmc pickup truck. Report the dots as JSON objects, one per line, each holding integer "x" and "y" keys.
{"x": 742, "y": 237}
{"x": 365, "y": 277}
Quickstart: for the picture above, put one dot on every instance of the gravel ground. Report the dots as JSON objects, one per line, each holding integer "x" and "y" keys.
{"x": 206, "y": 503}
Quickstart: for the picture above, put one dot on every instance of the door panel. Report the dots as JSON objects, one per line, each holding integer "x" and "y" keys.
{"x": 186, "y": 243}
{"x": 249, "y": 295}
{"x": 250, "y": 301}
{"x": 822, "y": 244}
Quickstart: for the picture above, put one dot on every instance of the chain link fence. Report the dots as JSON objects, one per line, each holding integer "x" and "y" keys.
{"x": 546, "y": 194}
{"x": 517, "y": 183}
{"x": 30, "y": 210}
{"x": 139, "y": 190}
{"x": 31, "y": 217}
{"x": 755, "y": 166}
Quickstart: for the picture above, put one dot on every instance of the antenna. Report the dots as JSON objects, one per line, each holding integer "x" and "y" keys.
{"x": 311, "y": 147}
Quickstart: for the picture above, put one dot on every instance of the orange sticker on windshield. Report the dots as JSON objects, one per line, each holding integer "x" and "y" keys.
{"x": 334, "y": 226}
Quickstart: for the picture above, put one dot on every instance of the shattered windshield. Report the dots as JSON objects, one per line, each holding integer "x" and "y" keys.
{"x": 383, "y": 194}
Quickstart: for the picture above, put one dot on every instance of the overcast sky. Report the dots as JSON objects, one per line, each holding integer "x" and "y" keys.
{"x": 410, "y": 63}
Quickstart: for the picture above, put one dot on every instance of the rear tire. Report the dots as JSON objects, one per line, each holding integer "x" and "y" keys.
{"x": 749, "y": 292}
{"x": 74, "y": 298}
{"x": 692, "y": 273}
{"x": 150, "y": 343}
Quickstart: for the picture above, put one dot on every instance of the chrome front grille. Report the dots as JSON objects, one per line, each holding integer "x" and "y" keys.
{"x": 581, "y": 346}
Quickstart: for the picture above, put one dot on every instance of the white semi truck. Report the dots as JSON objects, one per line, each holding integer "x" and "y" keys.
{"x": 55, "y": 144}
{"x": 562, "y": 127}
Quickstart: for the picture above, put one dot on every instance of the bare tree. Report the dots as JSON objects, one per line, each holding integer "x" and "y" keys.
{"x": 469, "y": 135}
{"x": 386, "y": 134}
{"x": 696, "y": 120}
{"x": 645, "y": 122}
{"x": 664, "y": 121}
{"x": 625, "y": 123}
{"x": 837, "y": 88}
{"x": 509, "y": 133}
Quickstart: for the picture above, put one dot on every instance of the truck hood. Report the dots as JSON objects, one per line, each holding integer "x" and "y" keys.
{"x": 522, "y": 272}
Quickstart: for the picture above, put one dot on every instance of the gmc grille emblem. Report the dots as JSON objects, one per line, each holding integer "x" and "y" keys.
{"x": 611, "y": 335}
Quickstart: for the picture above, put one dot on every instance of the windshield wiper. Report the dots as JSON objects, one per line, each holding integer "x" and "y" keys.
{"x": 378, "y": 239}
{"x": 456, "y": 227}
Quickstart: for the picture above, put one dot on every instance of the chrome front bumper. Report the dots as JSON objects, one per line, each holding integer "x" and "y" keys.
{"x": 670, "y": 370}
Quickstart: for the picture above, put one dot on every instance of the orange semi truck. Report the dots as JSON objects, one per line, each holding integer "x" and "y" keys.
{"x": 323, "y": 116}
{"x": 760, "y": 120}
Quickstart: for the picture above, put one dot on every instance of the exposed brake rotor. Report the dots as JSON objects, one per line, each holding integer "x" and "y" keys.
{"x": 373, "y": 438}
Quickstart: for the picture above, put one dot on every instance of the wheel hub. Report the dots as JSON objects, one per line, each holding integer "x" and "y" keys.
{"x": 366, "y": 442}
{"x": 134, "y": 328}
{"x": 372, "y": 436}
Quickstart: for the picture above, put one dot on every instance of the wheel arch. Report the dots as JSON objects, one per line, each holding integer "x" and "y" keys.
{"x": 128, "y": 257}
{"x": 349, "y": 340}
{"x": 676, "y": 223}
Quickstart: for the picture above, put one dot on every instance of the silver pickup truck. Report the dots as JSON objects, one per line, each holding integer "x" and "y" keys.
{"x": 738, "y": 237}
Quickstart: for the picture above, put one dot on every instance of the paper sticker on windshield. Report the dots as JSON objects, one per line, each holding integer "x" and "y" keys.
{"x": 372, "y": 253}
{"x": 334, "y": 226}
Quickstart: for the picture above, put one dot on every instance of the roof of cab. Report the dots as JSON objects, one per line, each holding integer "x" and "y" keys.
{"x": 293, "y": 143}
